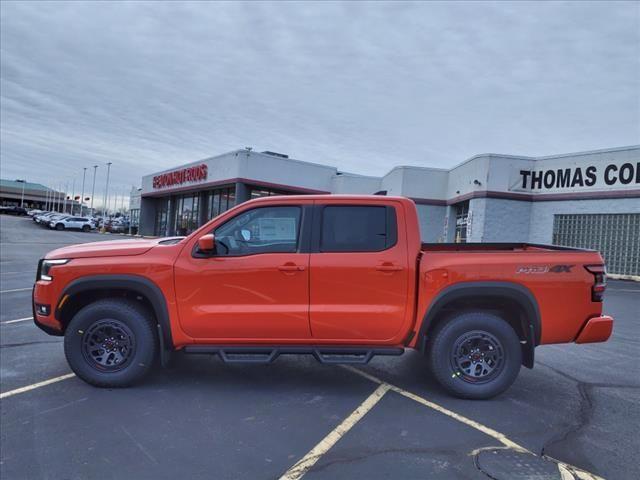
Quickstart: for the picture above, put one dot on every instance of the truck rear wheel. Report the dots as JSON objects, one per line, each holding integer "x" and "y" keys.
{"x": 475, "y": 355}
{"x": 111, "y": 343}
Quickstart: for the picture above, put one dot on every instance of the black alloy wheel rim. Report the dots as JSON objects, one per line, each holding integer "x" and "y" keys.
{"x": 477, "y": 357}
{"x": 108, "y": 345}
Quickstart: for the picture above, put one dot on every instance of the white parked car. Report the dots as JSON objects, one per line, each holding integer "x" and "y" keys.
{"x": 39, "y": 218}
{"x": 52, "y": 220}
{"x": 79, "y": 223}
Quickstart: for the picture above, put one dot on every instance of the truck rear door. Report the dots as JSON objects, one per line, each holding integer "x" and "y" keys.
{"x": 359, "y": 280}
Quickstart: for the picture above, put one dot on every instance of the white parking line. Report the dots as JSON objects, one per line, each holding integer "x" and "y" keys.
{"x": 306, "y": 462}
{"x": 567, "y": 471}
{"x": 33, "y": 386}
{"x": 16, "y": 290}
{"x": 16, "y": 320}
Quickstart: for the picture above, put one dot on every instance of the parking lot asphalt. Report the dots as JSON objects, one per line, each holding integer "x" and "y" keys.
{"x": 201, "y": 418}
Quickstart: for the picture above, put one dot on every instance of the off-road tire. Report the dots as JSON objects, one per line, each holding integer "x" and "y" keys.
{"x": 447, "y": 355}
{"x": 136, "y": 327}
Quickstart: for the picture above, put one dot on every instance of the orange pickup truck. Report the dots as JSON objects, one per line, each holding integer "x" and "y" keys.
{"x": 343, "y": 278}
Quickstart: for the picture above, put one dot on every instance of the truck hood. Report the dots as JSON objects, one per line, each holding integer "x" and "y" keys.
{"x": 113, "y": 248}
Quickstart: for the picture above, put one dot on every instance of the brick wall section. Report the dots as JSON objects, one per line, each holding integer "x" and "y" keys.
{"x": 542, "y": 213}
{"x": 431, "y": 218}
{"x": 498, "y": 220}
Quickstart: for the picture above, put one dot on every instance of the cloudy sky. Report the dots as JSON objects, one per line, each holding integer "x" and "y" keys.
{"x": 362, "y": 86}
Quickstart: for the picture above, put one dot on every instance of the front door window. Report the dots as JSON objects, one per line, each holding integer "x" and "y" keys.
{"x": 260, "y": 230}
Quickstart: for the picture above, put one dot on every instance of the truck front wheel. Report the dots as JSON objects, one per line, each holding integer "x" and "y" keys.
{"x": 474, "y": 355}
{"x": 111, "y": 343}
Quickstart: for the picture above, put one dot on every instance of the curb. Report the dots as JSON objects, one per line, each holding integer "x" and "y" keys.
{"x": 616, "y": 276}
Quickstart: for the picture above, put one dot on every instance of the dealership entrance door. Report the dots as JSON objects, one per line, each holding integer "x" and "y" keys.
{"x": 615, "y": 235}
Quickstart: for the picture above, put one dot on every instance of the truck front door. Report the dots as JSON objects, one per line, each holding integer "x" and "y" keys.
{"x": 359, "y": 272}
{"x": 256, "y": 284}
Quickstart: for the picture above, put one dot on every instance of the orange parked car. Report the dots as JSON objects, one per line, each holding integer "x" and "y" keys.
{"x": 343, "y": 278}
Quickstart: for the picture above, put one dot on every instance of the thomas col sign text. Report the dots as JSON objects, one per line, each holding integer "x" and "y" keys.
{"x": 612, "y": 175}
{"x": 197, "y": 173}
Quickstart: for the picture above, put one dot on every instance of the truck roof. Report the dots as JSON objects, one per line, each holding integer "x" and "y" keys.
{"x": 324, "y": 196}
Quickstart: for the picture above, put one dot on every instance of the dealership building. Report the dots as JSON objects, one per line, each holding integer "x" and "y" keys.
{"x": 20, "y": 193}
{"x": 587, "y": 199}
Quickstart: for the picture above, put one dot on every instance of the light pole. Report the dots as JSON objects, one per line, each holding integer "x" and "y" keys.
{"x": 73, "y": 195}
{"x": 106, "y": 191}
{"x": 84, "y": 174}
{"x": 93, "y": 189}
{"x": 64, "y": 201}
{"x": 46, "y": 199}
{"x": 23, "y": 181}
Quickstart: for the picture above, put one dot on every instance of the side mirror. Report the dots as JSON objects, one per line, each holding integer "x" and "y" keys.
{"x": 207, "y": 243}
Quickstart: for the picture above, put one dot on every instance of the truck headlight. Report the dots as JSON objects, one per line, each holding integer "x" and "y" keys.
{"x": 45, "y": 268}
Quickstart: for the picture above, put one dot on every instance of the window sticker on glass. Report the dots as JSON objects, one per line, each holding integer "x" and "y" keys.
{"x": 276, "y": 229}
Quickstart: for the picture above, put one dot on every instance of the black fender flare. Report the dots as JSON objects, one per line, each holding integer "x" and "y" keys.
{"x": 133, "y": 283}
{"x": 510, "y": 290}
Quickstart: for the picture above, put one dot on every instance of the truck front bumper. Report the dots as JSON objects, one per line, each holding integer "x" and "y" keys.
{"x": 41, "y": 297}
{"x": 597, "y": 329}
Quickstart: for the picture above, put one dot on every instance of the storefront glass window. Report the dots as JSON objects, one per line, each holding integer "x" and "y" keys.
{"x": 134, "y": 220}
{"x": 220, "y": 200}
{"x": 266, "y": 192}
{"x": 462, "y": 218}
{"x": 161, "y": 217}
{"x": 187, "y": 209}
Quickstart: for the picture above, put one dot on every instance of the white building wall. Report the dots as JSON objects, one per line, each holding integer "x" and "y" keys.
{"x": 514, "y": 218}
{"x": 356, "y": 184}
{"x": 392, "y": 182}
{"x": 461, "y": 178}
{"x": 286, "y": 171}
{"x": 418, "y": 182}
{"x": 254, "y": 166}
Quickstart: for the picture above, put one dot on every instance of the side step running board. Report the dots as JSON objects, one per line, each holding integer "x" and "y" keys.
{"x": 268, "y": 354}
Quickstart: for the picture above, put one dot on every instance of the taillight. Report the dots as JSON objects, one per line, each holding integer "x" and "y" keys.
{"x": 600, "y": 283}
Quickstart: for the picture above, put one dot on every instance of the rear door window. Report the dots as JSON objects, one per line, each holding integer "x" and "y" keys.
{"x": 355, "y": 228}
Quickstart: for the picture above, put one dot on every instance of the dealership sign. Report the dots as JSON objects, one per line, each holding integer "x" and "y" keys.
{"x": 193, "y": 174}
{"x": 601, "y": 175}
